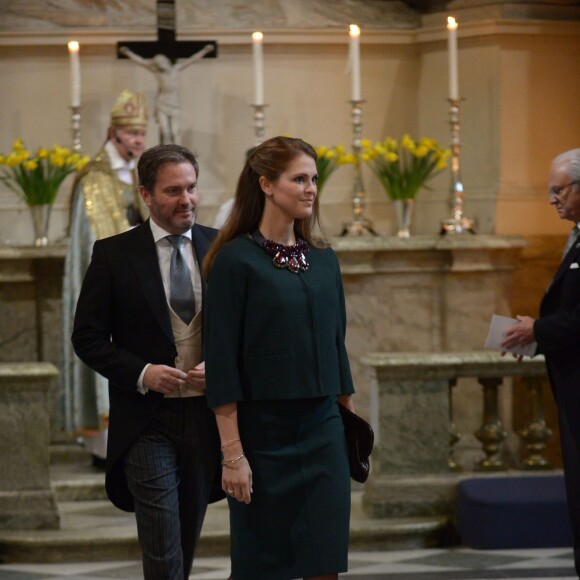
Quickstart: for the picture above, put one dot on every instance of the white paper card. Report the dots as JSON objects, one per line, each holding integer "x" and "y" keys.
{"x": 497, "y": 332}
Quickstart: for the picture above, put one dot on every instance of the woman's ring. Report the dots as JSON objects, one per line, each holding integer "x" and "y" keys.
{"x": 230, "y": 491}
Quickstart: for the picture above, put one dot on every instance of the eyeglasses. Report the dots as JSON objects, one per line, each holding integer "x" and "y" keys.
{"x": 558, "y": 189}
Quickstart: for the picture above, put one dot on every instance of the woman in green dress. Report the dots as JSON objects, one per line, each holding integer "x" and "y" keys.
{"x": 276, "y": 371}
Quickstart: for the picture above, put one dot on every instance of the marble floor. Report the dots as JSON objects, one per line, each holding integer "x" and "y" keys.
{"x": 452, "y": 564}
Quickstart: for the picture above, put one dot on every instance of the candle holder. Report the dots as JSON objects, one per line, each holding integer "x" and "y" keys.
{"x": 457, "y": 223}
{"x": 359, "y": 225}
{"x": 259, "y": 123}
{"x": 76, "y": 128}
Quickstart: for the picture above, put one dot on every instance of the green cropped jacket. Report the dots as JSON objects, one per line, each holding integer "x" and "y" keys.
{"x": 272, "y": 334}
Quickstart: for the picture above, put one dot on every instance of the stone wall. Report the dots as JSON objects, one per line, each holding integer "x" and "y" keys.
{"x": 513, "y": 123}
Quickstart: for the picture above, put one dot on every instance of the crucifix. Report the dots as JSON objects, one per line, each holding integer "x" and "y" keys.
{"x": 161, "y": 58}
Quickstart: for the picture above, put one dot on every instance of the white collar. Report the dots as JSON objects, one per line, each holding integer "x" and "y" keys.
{"x": 159, "y": 233}
{"x": 117, "y": 162}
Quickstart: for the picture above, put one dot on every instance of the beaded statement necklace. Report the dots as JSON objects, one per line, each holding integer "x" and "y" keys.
{"x": 291, "y": 257}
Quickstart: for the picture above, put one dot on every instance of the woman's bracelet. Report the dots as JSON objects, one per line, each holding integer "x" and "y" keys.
{"x": 226, "y": 462}
{"x": 228, "y": 443}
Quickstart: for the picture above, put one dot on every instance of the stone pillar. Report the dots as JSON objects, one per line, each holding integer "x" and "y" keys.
{"x": 30, "y": 310}
{"x": 410, "y": 474}
{"x": 27, "y": 501}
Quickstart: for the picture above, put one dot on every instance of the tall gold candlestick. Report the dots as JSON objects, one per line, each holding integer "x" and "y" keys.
{"x": 259, "y": 123}
{"x": 76, "y": 128}
{"x": 457, "y": 223}
{"x": 359, "y": 225}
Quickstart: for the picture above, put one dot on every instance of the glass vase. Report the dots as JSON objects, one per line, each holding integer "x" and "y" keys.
{"x": 40, "y": 214}
{"x": 404, "y": 212}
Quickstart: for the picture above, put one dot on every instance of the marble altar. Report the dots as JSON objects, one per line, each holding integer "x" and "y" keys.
{"x": 423, "y": 294}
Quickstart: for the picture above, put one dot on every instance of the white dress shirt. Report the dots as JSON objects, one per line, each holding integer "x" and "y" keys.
{"x": 164, "y": 251}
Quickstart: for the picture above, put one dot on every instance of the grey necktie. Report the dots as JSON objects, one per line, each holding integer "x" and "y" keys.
{"x": 181, "y": 297}
{"x": 572, "y": 237}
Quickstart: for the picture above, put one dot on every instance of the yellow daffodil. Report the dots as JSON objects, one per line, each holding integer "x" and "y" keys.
{"x": 347, "y": 159}
{"x": 408, "y": 143}
{"x": 404, "y": 166}
{"x": 427, "y": 142}
{"x": 391, "y": 144}
{"x": 329, "y": 159}
{"x": 37, "y": 179}
{"x": 13, "y": 160}
{"x": 18, "y": 144}
{"x": 421, "y": 151}
{"x": 57, "y": 159}
{"x": 82, "y": 162}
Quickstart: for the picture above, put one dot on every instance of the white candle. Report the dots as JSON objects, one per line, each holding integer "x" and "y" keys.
{"x": 355, "y": 61}
{"x": 257, "y": 39}
{"x": 75, "y": 73}
{"x": 452, "y": 49}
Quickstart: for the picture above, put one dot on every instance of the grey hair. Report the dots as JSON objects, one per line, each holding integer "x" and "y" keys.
{"x": 572, "y": 156}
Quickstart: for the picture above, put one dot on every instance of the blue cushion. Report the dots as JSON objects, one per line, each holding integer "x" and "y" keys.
{"x": 514, "y": 512}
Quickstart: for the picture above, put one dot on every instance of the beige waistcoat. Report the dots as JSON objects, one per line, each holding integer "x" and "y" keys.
{"x": 188, "y": 344}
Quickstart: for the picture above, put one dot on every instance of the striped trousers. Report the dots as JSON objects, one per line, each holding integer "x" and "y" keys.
{"x": 170, "y": 470}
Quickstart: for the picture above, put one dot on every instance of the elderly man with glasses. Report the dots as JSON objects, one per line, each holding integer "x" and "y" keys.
{"x": 557, "y": 330}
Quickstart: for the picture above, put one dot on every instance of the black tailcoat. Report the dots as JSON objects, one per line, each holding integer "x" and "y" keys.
{"x": 122, "y": 323}
{"x": 557, "y": 332}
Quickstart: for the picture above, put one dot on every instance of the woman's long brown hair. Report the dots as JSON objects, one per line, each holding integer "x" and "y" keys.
{"x": 270, "y": 159}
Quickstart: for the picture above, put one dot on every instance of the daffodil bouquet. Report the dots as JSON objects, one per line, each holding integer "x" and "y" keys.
{"x": 404, "y": 166}
{"x": 36, "y": 179}
{"x": 328, "y": 160}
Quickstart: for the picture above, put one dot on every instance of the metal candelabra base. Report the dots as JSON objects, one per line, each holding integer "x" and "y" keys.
{"x": 459, "y": 225}
{"x": 361, "y": 227}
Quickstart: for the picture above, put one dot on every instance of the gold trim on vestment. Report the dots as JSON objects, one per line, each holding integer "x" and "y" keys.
{"x": 106, "y": 198}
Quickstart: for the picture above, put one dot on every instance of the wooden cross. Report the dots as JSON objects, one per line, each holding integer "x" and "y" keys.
{"x": 166, "y": 38}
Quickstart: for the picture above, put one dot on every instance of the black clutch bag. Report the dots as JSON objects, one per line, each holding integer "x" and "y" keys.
{"x": 359, "y": 442}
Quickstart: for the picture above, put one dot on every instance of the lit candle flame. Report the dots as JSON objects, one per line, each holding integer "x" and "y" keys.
{"x": 451, "y": 23}
{"x": 354, "y": 30}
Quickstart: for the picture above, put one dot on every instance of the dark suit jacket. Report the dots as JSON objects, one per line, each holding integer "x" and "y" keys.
{"x": 121, "y": 324}
{"x": 557, "y": 330}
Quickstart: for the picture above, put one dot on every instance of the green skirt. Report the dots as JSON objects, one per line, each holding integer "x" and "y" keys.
{"x": 297, "y": 523}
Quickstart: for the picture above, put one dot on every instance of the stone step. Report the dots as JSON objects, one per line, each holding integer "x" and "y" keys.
{"x": 77, "y": 482}
{"x": 97, "y": 531}
{"x": 69, "y": 453}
